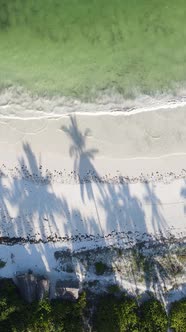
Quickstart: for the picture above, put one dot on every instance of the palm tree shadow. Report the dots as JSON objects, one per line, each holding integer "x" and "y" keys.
{"x": 124, "y": 209}
{"x": 30, "y": 194}
{"x": 83, "y": 158}
{"x": 183, "y": 194}
{"x": 83, "y": 163}
{"x": 158, "y": 221}
{"x": 4, "y": 213}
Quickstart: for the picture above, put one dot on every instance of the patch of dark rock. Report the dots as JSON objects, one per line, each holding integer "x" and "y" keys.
{"x": 32, "y": 287}
{"x": 67, "y": 290}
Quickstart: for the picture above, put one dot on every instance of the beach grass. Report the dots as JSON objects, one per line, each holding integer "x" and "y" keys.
{"x": 81, "y": 47}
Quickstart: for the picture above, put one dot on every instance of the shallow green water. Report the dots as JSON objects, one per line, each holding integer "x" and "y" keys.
{"x": 78, "y": 47}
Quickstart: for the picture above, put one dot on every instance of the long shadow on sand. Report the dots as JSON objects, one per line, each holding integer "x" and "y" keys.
{"x": 118, "y": 214}
{"x": 33, "y": 204}
{"x": 124, "y": 217}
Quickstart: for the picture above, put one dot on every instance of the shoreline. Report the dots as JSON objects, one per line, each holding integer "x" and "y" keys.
{"x": 17, "y": 100}
{"x": 88, "y": 180}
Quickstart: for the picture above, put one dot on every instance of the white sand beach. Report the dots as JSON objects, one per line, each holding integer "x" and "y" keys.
{"x": 81, "y": 180}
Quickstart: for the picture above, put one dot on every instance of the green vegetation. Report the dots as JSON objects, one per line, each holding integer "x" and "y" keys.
{"x": 43, "y": 316}
{"x": 124, "y": 315}
{"x": 119, "y": 313}
{"x": 153, "y": 317}
{"x": 116, "y": 315}
{"x": 101, "y": 268}
{"x": 178, "y": 316}
{"x": 113, "y": 289}
{"x": 182, "y": 258}
{"x": 79, "y": 47}
{"x": 2, "y": 264}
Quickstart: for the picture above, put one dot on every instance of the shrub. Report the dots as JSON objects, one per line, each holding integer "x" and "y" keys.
{"x": 11, "y": 304}
{"x": 178, "y": 316}
{"x": 116, "y": 315}
{"x": 39, "y": 318}
{"x": 2, "y": 264}
{"x": 113, "y": 289}
{"x": 153, "y": 317}
{"x": 105, "y": 318}
{"x": 100, "y": 268}
{"x": 69, "y": 315}
{"x": 127, "y": 315}
{"x": 42, "y": 316}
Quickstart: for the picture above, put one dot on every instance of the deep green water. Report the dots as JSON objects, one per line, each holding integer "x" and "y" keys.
{"x": 78, "y": 47}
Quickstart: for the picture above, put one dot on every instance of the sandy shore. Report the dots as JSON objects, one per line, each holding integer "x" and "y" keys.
{"x": 85, "y": 180}
{"x": 129, "y": 143}
{"x": 93, "y": 174}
